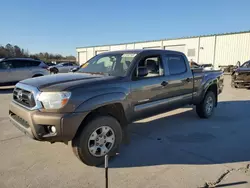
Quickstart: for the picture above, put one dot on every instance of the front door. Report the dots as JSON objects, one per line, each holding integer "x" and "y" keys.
{"x": 148, "y": 92}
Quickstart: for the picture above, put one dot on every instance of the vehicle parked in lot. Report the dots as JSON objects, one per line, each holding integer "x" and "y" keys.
{"x": 93, "y": 106}
{"x": 62, "y": 67}
{"x": 228, "y": 69}
{"x": 207, "y": 66}
{"x": 241, "y": 75}
{"x": 50, "y": 64}
{"x": 13, "y": 70}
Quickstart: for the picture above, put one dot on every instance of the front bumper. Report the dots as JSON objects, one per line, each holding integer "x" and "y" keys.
{"x": 241, "y": 83}
{"x": 35, "y": 123}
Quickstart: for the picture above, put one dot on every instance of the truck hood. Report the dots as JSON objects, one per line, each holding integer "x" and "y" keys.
{"x": 59, "y": 82}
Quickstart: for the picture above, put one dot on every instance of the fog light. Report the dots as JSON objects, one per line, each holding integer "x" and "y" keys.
{"x": 52, "y": 129}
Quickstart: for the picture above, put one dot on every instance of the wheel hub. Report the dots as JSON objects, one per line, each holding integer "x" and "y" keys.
{"x": 101, "y": 141}
{"x": 209, "y": 105}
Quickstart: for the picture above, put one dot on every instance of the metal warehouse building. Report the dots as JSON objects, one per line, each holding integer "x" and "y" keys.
{"x": 217, "y": 49}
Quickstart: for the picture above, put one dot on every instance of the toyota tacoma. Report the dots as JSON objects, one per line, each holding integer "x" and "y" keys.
{"x": 93, "y": 106}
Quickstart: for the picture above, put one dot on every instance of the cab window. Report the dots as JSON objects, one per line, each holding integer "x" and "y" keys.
{"x": 153, "y": 65}
{"x": 176, "y": 64}
{"x": 5, "y": 65}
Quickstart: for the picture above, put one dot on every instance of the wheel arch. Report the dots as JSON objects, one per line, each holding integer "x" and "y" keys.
{"x": 114, "y": 110}
{"x": 214, "y": 88}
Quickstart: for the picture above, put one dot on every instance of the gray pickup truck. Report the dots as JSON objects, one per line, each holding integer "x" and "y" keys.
{"x": 93, "y": 106}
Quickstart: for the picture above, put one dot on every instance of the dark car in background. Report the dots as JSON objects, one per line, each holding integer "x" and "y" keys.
{"x": 50, "y": 64}
{"x": 241, "y": 76}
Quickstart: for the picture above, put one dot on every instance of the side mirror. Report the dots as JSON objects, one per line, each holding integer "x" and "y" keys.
{"x": 74, "y": 69}
{"x": 142, "y": 71}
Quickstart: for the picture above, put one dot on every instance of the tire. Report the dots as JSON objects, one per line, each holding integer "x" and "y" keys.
{"x": 202, "y": 109}
{"x": 82, "y": 141}
{"x": 54, "y": 71}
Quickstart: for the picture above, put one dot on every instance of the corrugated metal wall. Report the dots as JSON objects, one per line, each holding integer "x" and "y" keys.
{"x": 217, "y": 50}
{"x": 232, "y": 48}
{"x": 206, "y": 50}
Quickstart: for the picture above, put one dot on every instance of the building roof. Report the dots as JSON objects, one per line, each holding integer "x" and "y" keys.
{"x": 209, "y": 35}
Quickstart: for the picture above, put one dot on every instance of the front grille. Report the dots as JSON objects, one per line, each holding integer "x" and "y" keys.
{"x": 24, "y": 97}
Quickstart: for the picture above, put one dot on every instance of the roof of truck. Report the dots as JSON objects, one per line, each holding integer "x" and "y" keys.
{"x": 138, "y": 51}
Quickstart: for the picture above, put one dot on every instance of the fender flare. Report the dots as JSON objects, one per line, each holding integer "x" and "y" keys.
{"x": 102, "y": 100}
{"x": 207, "y": 86}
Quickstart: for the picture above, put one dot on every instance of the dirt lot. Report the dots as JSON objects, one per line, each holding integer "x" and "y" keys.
{"x": 175, "y": 149}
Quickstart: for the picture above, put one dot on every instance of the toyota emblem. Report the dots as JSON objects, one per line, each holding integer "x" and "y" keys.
{"x": 19, "y": 95}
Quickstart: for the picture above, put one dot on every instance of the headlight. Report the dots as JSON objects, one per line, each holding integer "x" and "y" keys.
{"x": 54, "y": 100}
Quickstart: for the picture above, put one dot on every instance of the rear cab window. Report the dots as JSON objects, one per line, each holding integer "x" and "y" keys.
{"x": 176, "y": 64}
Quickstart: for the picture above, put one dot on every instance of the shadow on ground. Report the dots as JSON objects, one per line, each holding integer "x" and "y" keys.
{"x": 231, "y": 184}
{"x": 183, "y": 138}
{"x": 6, "y": 90}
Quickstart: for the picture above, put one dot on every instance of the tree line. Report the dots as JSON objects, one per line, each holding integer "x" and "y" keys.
{"x": 15, "y": 51}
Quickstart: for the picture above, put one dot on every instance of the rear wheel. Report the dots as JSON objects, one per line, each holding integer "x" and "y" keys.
{"x": 206, "y": 107}
{"x": 54, "y": 70}
{"x": 102, "y": 135}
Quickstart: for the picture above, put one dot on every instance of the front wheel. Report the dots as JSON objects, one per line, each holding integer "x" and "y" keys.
{"x": 102, "y": 135}
{"x": 54, "y": 71}
{"x": 206, "y": 107}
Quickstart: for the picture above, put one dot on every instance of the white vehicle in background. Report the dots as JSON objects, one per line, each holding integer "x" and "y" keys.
{"x": 62, "y": 67}
{"x": 207, "y": 67}
{"x": 13, "y": 70}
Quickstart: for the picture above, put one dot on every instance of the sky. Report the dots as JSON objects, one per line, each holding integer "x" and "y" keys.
{"x": 59, "y": 26}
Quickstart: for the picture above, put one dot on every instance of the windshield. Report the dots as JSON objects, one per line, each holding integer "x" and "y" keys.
{"x": 246, "y": 65}
{"x": 108, "y": 64}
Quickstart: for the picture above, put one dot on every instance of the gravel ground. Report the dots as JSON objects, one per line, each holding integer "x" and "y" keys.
{"x": 174, "y": 149}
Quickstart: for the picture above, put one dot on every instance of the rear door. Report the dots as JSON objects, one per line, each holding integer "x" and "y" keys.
{"x": 34, "y": 67}
{"x": 180, "y": 79}
{"x": 5, "y": 70}
{"x": 21, "y": 70}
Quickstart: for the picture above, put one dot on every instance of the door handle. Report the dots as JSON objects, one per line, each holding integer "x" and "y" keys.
{"x": 188, "y": 79}
{"x": 164, "y": 83}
